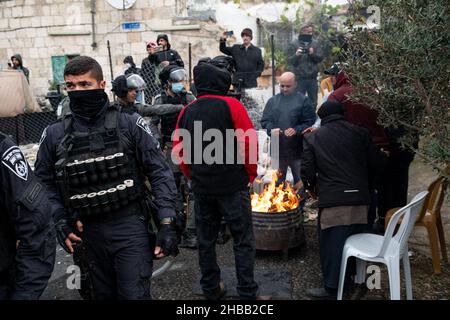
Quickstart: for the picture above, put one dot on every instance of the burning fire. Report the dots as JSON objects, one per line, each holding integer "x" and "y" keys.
{"x": 275, "y": 199}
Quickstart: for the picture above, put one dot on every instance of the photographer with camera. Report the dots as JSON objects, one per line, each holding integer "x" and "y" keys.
{"x": 249, "y": 61}
{"x": 304, "y": 55}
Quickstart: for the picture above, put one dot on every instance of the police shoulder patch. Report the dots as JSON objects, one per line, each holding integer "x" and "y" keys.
{"x": 141, "y": 123}
{"x": 15, "y": 161}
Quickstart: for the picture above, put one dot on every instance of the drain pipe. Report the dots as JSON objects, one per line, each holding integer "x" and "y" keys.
{"x": 93, "y": 5}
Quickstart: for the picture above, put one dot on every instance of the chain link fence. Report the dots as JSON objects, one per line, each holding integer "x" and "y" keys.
{"x": 28, "y": 127}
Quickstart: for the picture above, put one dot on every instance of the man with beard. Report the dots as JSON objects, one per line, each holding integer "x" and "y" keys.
{"x": 95, "y": 163}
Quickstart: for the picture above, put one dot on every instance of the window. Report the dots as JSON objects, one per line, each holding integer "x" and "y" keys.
{"x": 58, "y": 65}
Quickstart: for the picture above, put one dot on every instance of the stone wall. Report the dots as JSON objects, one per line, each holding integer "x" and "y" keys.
{"x": 29, "y": 27}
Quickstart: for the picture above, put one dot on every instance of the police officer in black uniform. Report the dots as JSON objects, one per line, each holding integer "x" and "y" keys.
{"x": 96, "y": 162}
{"x": 26, "y": 219}
{"x": 173, "y": 95}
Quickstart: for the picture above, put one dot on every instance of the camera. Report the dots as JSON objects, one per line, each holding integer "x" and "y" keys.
{"x": 303, "y": 47}
{"x": 229, "y": 34}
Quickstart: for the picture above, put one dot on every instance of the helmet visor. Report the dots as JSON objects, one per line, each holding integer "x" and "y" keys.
{"x": 135, "y": 82}
{"x": 177, "y": 75}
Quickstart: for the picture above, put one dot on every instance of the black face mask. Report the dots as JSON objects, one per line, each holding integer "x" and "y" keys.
{"x": 87, "y": 103}
{"x": 305, "y": 38}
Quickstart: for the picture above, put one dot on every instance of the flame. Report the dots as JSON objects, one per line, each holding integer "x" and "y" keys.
{"x": 275, "y": 198}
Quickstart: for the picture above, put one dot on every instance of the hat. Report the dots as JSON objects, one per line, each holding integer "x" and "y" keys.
{"x": 333, "y": 70}
{"x": 128, "y": 59}
{"x": 152, "y": 44}
{"x": 162, "y": 36}
{"x": 329, "y": 108}
{"x": 248, "y": 32}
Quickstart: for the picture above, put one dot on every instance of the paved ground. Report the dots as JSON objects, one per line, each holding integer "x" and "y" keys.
{"x": 303, "y": 265}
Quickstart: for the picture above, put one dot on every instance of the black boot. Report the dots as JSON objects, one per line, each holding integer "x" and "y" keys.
{"x": 189, "y": 239}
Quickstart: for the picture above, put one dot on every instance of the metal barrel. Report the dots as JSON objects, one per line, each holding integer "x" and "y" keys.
{"x": 278, "y": 231}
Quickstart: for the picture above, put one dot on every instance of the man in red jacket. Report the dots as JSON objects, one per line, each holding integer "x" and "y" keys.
{"x": 220, "y": 172}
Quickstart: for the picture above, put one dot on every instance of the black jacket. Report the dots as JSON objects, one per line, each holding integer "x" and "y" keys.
{"x": 169, "y": 55}
{"x": 293, "y": 111}
{"x": 340, "y": 162}
{"x": 305, "y": 65}
{"x": 25, "y": 215}
{"x": 249, "y": 63}
{"x": 25, "y": 71}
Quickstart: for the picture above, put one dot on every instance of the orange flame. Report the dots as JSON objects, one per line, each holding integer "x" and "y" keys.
{"x": 275, "y": 199}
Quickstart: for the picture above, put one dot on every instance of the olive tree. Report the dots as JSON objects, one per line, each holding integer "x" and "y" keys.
{"x": 401, "y": 69}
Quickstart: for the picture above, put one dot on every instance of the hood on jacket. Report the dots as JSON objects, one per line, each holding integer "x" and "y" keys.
{"x": 209, "y": 79}
{"x": 342, "y": 79}
{"x": 329, "y": 108}
{"x": 165, "y": 37}
{"x": 18, "y": 57}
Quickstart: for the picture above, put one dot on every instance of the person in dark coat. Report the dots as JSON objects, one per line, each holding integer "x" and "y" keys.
{"x": 366, "y": 117}
{"x": 17, "y": 64}
{"x": 248, "y": 58}
{"x": 339, "y": 164}
{"x": 27, "y": 231}
{"x": 130, "y": 66}
{"x": 285, "y": 117}
{"x": 167, "y": 55}
{"x": 304, "y": 56}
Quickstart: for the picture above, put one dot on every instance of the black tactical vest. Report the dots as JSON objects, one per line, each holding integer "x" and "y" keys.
{"x": 98, "y": 172}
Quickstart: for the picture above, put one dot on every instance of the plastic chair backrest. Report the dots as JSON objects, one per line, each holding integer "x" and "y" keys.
{"x": 435, "y": 190}
{"x": 398, "y": 242}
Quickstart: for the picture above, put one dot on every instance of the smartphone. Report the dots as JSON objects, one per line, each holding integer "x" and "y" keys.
{"x": 230, "y": 34}
{"x": 9, "y": 64}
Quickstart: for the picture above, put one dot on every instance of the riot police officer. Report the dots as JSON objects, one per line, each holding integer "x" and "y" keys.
{"x": 173, "y": 81}
{"x": 27, "y": 218}
{"x": 96, "y": 162}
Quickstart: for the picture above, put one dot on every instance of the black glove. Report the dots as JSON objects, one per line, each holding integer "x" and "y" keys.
{"x": 63, "y": 229}
{"x": 180, "y": 224}
{"x": 167, "y": 239}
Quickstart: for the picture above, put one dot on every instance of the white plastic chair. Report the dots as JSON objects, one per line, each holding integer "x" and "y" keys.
{"x": 387, "y": 249}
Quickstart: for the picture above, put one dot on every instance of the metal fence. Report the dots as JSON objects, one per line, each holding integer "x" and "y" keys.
{"x": 28, "y": 127}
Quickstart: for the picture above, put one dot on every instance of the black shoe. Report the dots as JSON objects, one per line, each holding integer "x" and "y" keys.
{"x": 189, "y": 240}
{"x": 320, "y": 293}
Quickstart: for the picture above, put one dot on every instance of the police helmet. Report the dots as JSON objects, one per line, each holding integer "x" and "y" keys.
{"x": 224, "y": 62}
{"x": 123, "y": 83}
{"x": 172, "y": 73}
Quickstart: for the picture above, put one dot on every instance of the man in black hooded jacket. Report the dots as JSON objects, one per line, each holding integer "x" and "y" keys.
{"x": 95, "y": 163}
{"x": 220, "y": 186}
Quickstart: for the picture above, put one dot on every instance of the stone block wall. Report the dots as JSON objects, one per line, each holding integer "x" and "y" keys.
{"x": 28, "y": 27}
